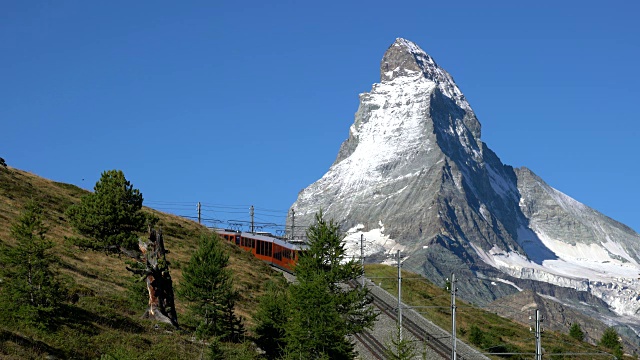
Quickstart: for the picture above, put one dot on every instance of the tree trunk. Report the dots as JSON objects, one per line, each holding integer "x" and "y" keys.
{"x": 159, "y": 283}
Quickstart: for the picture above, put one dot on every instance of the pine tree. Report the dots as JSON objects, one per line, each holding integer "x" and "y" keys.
{"x": 111, "y": 215}
{"x": 576, "y": 332}
{"x": 611, "y": 340}
{"x": 400, "y": 349}
{"x": 30, "y": 288}
{"x": 208, "y": 284}
{"x": 324, "y": 311}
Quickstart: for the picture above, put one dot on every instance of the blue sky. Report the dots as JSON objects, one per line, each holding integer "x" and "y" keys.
{"x": 246, "y": 103}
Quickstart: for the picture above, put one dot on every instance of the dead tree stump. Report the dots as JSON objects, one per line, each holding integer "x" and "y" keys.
{"x": 159, "y": 283}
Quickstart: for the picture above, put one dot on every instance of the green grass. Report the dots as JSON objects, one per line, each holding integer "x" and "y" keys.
{"x": 105, "y": 321}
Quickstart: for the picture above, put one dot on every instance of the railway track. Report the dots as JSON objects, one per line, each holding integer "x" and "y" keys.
{"x": 372, "y": 344}
{"x": 418, "y": 332}
{"x": 437, "y": 340}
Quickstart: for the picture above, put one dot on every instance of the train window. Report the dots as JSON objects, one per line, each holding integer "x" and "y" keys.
{"x": 262, "y": 248}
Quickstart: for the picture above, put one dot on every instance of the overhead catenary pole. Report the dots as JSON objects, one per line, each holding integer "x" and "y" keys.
{"x": 252, "y": 224}
{"x": 362, "y": 256}
{"x": 453, "y": 316}
{"x": 293, "y": 223}
{"x": 399, "y": 296}
{"x": 199, "y": 213}
{"x": 538, "y": 336}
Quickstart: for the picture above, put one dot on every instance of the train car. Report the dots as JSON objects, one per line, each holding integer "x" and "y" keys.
{"x": 275, "y": 251}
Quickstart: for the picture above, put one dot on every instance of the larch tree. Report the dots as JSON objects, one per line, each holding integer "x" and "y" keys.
{"x": 270, "y": 318}
{"x": 611, "y": 340}
{"x": 576, "y": 332}
{"x": 111, "y": 215}
{"x": 29, "y": 287}
{"x": 398, "y": 348}
{"x": 207, "y": 283}
{"x": 324, "y": 310}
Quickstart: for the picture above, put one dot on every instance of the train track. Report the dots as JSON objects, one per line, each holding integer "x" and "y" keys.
{"x": 372, "y": 344}
{"x": 434, "y": 342}
{"x": 420, "y": 334}
{"x": 431, "y": 338}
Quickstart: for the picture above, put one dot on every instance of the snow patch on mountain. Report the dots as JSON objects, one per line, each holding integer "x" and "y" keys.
{"x": 584, "y": 267}
{"x": 394, "y": 130}
{"x": 375, "y": 242}
{"x": 596, "y": 256}
{"x": 506, "y": 189}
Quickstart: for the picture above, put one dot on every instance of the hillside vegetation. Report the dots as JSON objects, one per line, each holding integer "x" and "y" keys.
{"x": 101, "y": 315}
{"x": 481, "y": 328}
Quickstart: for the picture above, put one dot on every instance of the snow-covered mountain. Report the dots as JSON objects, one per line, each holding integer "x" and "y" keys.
{"x": 414, "y": 175}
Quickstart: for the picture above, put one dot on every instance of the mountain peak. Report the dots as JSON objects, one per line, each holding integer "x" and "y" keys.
{"x": 406, "y": 59}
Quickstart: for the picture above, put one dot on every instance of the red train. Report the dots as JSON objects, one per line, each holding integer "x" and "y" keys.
{"x": 277, "y": 252}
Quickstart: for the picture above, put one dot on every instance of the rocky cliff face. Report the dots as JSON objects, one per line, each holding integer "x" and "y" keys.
{"x": 414, "y": 175}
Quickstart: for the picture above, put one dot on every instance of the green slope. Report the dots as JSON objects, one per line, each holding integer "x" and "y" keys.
{"x": 105, "y": 320}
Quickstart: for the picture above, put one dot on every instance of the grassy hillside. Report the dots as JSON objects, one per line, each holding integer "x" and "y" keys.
{"x": 498, "y": 334}
{"x": 105, "y": 321}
